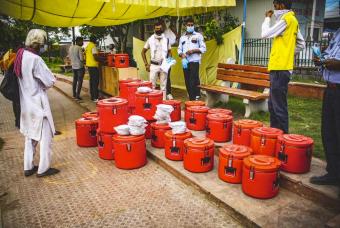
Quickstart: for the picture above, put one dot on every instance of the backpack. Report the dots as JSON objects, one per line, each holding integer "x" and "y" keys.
{"x": 9, "y": 86}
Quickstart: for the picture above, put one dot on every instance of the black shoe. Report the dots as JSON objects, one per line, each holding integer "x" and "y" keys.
{"x": 79, "y": 98}
{"x": 28, "y": 173}
{"x": 57, "y": 133}
{"x": 49, "y": 172}
{"x": 326, "y": 179}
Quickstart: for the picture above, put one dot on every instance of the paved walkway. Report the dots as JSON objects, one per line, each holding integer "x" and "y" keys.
{"x": 90, "y": 192}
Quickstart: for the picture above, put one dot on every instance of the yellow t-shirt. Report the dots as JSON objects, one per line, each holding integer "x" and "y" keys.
{"x": 90, "y": 60}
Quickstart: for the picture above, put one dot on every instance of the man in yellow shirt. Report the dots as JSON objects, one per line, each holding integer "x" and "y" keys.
{"x": 92, "y": 63}
{"x": 287, "y": 41}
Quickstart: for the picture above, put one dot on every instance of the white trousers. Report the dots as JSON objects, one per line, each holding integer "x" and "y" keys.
{"x": 154, "y": 72}
{"x": 45, "y": 149}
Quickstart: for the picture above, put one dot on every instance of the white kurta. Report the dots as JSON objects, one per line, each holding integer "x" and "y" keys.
{"x": 36, "y": 79}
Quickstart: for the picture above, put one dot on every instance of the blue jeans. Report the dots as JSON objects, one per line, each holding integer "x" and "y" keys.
{"x": 277, "y": 102}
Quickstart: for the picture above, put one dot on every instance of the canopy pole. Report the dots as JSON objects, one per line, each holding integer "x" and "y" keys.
{"x": 241, "y": 56}
{"x": 73, "y": 36}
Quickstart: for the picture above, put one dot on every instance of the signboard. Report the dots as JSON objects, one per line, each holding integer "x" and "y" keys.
{"x": 332, "y": 9}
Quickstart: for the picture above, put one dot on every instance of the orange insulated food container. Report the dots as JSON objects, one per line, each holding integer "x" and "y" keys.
{"x": 263, "y": 140}
{"x": 260, "y": 176}
{"x": 130, "y": 151}
{"x": 90, "y": 114}
{"x": 157, "y": 134}
{"x": 295, "y": 152}
{"x": 121, "y": 60}
{"x": 198, "y": 155}
{"x": 242, "y": 130}
{"x": 219, "y": 127}
{"x": 146, "y": 103}
{"x": 112, "y": 112}
{"x": 189, "y": 104}
{"x": 123, "y": 91}
{"x": 86, "y": 131}
{"x": 196, "y": 117}
{"x": 176, "y": 114}
{"x": 174, "y": 145}
{"x": 231, "y": 162}
{"x": 220, "y": 111}
{"x": 105, "y": 148}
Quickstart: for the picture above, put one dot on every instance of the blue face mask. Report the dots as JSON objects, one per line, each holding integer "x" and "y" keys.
{"x": 43, "y": 49}
{"x": 190, "y": 29}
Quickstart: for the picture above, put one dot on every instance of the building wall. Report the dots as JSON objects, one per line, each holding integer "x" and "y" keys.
{"x": 257, "y": 8}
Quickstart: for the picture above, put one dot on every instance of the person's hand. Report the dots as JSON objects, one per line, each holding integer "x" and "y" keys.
{"x": 190, "y": 52}
{"x": 332, "y": 64}
{"x": 269, "y": 13}
{"x": 183, "y": 56}
{"x": 317, "y": 61}
{"x": 147, "y": 67}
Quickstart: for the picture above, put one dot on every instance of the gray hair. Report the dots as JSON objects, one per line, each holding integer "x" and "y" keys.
{"x": 38, "y": 36}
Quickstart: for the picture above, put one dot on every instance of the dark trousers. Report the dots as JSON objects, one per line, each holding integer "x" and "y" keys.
{"x": 94, "y": 82}
{"x": 277, "y": 103}
{"x": 78, "y": 76}
{"x": 168, "y": 83}
{"x": 330, "y": 129}
{"x": 192, "y": 80}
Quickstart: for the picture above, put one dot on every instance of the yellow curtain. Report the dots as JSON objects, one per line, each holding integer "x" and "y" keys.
{"x": 208, "y": 68}
{"x": 68, "y": 13}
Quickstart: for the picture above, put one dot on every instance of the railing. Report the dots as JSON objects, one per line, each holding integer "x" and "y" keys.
{"x": 257, "y": 52}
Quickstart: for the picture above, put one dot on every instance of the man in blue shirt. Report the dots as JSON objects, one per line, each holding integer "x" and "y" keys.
{"x": 330, "y": 129}
{"x": 191, "y": 47}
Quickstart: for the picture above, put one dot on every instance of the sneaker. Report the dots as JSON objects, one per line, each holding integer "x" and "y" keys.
{"x": 169, "y": 97}
{"x": 326, "y": 179}
{"x": 197, "y": 98}
{"x": 79, "y": 98}
{"x": 95, "y": 100}
{"x": 49, "y": 172}
{"x": 28, "y": 173}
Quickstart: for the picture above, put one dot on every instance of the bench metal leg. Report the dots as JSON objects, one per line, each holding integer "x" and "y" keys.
{"x": 211, "y": 98}
{"x": 255, "y": 106}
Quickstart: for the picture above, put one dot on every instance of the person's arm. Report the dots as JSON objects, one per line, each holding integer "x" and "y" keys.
{"x": 275, "y": 30}
{"x": 145, "y": 49}
{"x": 169, "y": 49}
{"x": 43, "y": 74}
{"x": 81, "y": 56}
{"x": 300, "y": 42}
{"x": 180, "y": 49}
{"x": 332, "y": 64}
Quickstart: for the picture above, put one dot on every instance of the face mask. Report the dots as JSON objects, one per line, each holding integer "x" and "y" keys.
{"x": 190, "y": 29}
{"x": 278, "y": 13}
{"x": 158, "y": 32}
{"x": 43, "y": 49}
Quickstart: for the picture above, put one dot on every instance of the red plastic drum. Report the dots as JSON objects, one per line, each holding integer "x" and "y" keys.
{"x": 123, "y": 91}
{"x": 242, "y": 130}
{"x": 198, "y": 155}
{"x": 86, "y": 131}
{"x": 174, "y": 145}
{"x": 157, "y": 134}
{"x": 220, "y": 111}
{"x": 121, "y": 60}
{"x": 112, "y": 112}
{"x": 295, "y": 152}
{"x": 260, "y": 176}
{"x": 176, "y": 114}
{"x": 90, "y": 114}
{"x": 196, "y": 117}
{"x": 219, "y": 127}
{"x": 231, "y": 162}
{"x": 146, "y": 103}
{"x": 130, "y": 151}
{"x": 105, "y": 147}
{"x": 263, "y": 140}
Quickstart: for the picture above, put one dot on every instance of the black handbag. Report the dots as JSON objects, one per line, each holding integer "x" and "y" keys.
{"x": 9, "y": 86}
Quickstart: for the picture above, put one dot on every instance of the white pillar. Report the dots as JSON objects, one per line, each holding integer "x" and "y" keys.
{"x": 313, "y": 21}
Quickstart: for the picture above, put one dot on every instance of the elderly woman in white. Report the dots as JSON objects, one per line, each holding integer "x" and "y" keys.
{"x": 36, "y": 122}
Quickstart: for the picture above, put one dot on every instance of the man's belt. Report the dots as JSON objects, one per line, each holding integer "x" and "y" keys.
{"x": 333, "y": 85}
{"x": 156, "y": 63}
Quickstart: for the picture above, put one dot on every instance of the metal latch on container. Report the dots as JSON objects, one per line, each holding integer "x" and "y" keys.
{"x": 309, "y": 152}
{"x": 230, "y": 169}
{"x": 154, "y": 137}
{"x": 282, "y": 156}
{"x": 251, "y": 173}
{"x": 114, "y": 110}
{"x": 147, "y": 104}
{"x": 206, "y": 159}
{"x": 174, "y": 149}
{"x": 239, "y": 130}
{"x": 93, "y": 132}
{"x": 100, "y": 143}
{"x": 225, "y": 125}
{"x": 128, "y": 147}
{"x": 208, "y": 129}
{"x": 277, "y": 180}
{"x": 263, "y": 140}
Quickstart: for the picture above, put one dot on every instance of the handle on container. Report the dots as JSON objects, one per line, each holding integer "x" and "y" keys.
{"x": 128, "y": 147}
{"x": 276, "y": 183}
{"x": 229, "y": 169}
{"x": 282, "y": 156}
{"x": 114, "y": 110}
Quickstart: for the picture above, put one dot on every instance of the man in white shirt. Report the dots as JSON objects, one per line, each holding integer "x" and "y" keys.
{"x": 77, "y": 60}
{"x": 160, "y": 49}
{"x": 36, "y": 121}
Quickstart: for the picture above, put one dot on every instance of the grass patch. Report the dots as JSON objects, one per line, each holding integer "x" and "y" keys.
{"x": 304, "y": 118}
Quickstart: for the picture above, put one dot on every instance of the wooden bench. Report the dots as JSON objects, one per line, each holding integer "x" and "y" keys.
{"x": 251, "y": 83}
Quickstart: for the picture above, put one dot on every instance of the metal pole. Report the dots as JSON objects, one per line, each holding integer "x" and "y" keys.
{"x": 313, "y": 21}
{"x": 241, "y": 57}
{"x": 73, "y": 36}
